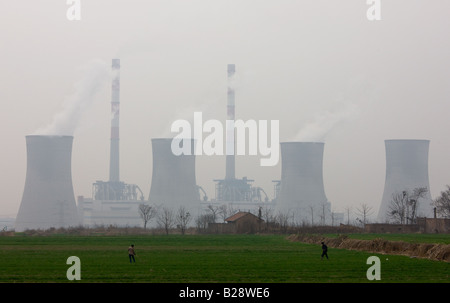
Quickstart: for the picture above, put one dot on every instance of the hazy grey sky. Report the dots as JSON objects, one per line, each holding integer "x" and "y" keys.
{"x": 297, "y": 61}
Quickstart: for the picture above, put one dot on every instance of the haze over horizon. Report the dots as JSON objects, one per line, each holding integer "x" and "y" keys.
{"x": 319, "y": 67}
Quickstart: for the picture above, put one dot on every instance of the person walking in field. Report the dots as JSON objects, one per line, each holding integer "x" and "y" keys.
{"x": 131, "y": 253}
{"x": 324, "y": 251}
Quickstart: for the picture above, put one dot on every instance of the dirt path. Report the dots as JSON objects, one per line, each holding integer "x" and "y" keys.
{"x": 440, "y": 252}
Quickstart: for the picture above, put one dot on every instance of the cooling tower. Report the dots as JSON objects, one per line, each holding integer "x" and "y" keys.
{"x": 406, "y": 169}
{"x": 302, "y": 193}
{"x": 48, "y": 198}
{"x": 173, "y": 177}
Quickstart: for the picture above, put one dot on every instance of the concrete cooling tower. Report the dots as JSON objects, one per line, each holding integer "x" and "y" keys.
{"x": 406, "y": 169}
{"x": 48, "y": 199}
{"x": 302, "y": 193}
{"x": 173, "y": 178}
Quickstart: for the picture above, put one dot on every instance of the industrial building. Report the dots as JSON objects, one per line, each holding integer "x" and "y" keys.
{"x": 406, "y": 169}
{"x": 174, "y": 182}
{"x": 48, "y": 198}
{"x": 301, "y": 189}
{"x": 113, "y": 202}
{"x": 49, "y": 201}
{"x": 237, "y": 193}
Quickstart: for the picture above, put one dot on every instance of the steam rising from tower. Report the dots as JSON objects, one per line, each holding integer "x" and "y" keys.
{"x": 114, "y": 172}
{"x": 67, "y": 121}
{"x": 48, "y": 199}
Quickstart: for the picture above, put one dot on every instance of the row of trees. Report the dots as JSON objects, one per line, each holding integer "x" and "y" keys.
{"x": 180, "y": 218}
{"x": 404, "y": 205}
{"x": 402, "y": 209}
{"x": 166, "y": 217}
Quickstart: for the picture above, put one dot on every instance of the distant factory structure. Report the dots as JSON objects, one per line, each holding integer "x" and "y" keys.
{"x": 174, "y": 182}
{"x": 48, "y": 198}
{"x": 232, "y": 191}
{"x": 406, "y": 169}
{"x": 49, "y": 201}
{"x": 301, "y": 189}
{"x": 113, "y": 202}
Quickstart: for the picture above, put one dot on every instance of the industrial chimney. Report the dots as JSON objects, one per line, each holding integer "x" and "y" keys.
{"x": 406, "y": 169}
{"x": 302, "y": 193}
{"x": 173, "y": 177}
{"x": 230, "y": 158}
{"x": 48, "y": 199}
{"x": 114, "y": 172}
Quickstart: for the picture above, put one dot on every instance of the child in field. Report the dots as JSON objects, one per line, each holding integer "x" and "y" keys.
{"x": 131, "y": 253}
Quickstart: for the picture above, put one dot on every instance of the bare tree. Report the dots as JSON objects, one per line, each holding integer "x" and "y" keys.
{"x": 183, "y": 218}
{"x": 442, "y": 203}
{"x": 403, "y": 206}
{"x": 147, "y": 213}
{"x": 322, "y": 215}
{"x": 165, "y": 219}
{"x": 203, "y": 220}
{"x": 397, "y": 208}
{"x": 348, "y": 209}
{"x": 283, "y": 221}
{"x": 311, "y": 209}
{"x": 224, "y": 211}
{"x": 215, "y": 210}
{"x": 267, "y": 215}
{"x": 364, "y": 211}
{"x": 413, "y": 201}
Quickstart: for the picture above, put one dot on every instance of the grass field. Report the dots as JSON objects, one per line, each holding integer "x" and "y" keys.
{"x": 201, "y": 258}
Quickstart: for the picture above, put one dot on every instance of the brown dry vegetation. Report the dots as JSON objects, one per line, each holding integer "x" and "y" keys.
{"x": 440, "y": 252}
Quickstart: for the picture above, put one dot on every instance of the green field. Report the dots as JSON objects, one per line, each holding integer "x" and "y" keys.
{"x": 200, "y": 258}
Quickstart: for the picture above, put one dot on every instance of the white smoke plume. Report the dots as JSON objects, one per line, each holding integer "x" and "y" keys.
{"x": 65, "y": 122}
{"x": 318, "y": 129}
{"x": 214, "y": 107}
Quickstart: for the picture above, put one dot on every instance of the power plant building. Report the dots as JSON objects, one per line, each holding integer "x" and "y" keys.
{"x": 174, "y": 182}
{"x": 113, "y": 202}
{"x": 48, "y": 199}
{"x": 406, "y": 169}
{"x": 301, "y": 193}
{"x": 236, "y": 192}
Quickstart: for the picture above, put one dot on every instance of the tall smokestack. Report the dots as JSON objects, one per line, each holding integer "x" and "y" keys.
{"x": 302, "y": 192}
{"x": 406, "y": 169}
{"x": 48, "y": 199}
{"x": 230, "y": 159}
{"x": 114, "y": 173}
{"x": 173, "y": 177}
